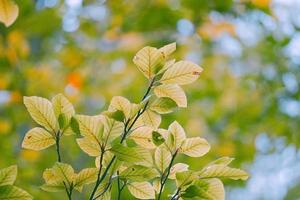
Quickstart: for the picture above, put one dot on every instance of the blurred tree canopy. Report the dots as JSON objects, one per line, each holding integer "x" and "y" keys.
{"x": 249, "y": 50}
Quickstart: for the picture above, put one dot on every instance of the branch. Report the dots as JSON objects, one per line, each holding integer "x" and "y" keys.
{"x": 126, "y": 131}
{"x": 165, "y": 175}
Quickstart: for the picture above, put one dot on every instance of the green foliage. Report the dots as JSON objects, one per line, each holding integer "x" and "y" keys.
{"x": 129, "y": 146}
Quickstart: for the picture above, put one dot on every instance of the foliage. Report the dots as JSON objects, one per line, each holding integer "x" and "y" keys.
{"x": 126, "y": 141}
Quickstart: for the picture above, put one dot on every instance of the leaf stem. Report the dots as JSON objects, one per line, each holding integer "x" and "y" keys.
{"x": 165, "y": 175}
{"x": 176, "y": 195}
{"x": 125, "y": 133}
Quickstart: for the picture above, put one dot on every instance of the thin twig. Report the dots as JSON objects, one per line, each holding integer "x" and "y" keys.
{"x": 165, "y": 175}
{"x": 126, "y": 131}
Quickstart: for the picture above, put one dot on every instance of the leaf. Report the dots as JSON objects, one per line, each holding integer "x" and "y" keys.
{"x": 112, "y": 129}
{"x": 141, "y": 190}
{"x": 138, "y": 173}
{"x": 185, "y": 178}
{"x": 13, "y": 193}
{"x": 55, "y": 187}
{"x": 195, "y": 147}
{"x": 143, "y": 137}
{"x": 148, "y": 61}
{"x": 41, "y": 111}
{"x": 178, "y": 133}
{"x": 210, "y": 189}
{"x": 115, "y": 115}
{"x": 9, "y": 12}
{"x": 38, "y": 139}
{"x": 89, "y": 146}
{"x": 84, "y": 177}
{"x": 8, "y": 175}
{"x": 121, "y": 104}
{"x": 149, "y": 118}
{"x": 63, "y": 107}
{"x": 74, "y": 126}
{"x": 181, "y": 73}
{"x": 223, "y": 171}
{"x": 163, "y": 105}
{"x": 172, "y": 91}
{"x": 134, "y": 155}
{"x": 179, "y": 167}
{"x": 168, "y": 49}
{"x": 63, "y": 173}
{"x": 90, "y": 126}
{"x": 106, "y": 159}
{"x": 162, "y": 158}
{"x": 223, "y": 161}
{"x": 157, "y": 138}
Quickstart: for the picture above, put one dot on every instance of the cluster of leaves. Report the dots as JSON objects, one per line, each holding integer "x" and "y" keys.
{"x": 127, "y": 142}
{"x": 7, "y": 189}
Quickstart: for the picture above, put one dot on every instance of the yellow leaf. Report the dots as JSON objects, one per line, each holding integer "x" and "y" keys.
{"x": 38, "y": 139}
{"x": 62, "y": 105}
{"x": 148, "y": 60}
{"x": 85, "y": 176}
{"x": 90, "y": 126}
{"x": 143, "y": 137}
{"x": 8, "y": 12}
{"x": 168, "y": 49}
{"x": 149, "y": 118}
{"x": 141, "y": 190}
{"x": 89, "y": 146}
{"x": 178, "y": 135}
{"x": 195, "y": 147}
{"x": 162, "y": 158}
{"x": 63, "y": 173}
{"x": 41, "y": 111}
{"x": 179, "y": 167}
{"x": 8, "y": 175}
{"x": 181, "y": 73}
{"x": 172, "y": 91}
{"x": 122, "y": 104}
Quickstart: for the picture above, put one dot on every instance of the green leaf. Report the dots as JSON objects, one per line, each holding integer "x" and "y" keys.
{"x": 174, "y": 92}
{"x": 141, "y": 190}
{"x": 116, "y": 115}
{"x": 13, "y": 193}
{"x": 138, "y": 173}
{"x": 135, "y": 155}
{"x": 223, "y": 171}
{"x": 75, "y": 126}
{"x": 181, "y": 73}
{"x": 157, "y": 138}
{"x": 148, "y": 60}
{"x": 8, "y": 175}
{"x": 62, "y": 121}
{"x": 163, "y": 105}
{"x": 42, "y": 112}
{"x": 178, "y": 167}
{"x": 208, "y": 189}
{"x": 38, "y": 139}
{"x": 185, "y": 178}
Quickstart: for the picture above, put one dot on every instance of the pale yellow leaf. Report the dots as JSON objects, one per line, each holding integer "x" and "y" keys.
{"x": 41, "y": 111}
{"x": 85, "y": 176}
{"x": 168, "y": 49}
{"x": 9, "y": 12}
{"x": 62, "y": 105}
{"x": 172, "y": 91}
{"x": 89, "y": 146}
{"x": 179, "y": 167}
{"x": 178, "y": 134}
{"x": 148, "y": 60}
{"x": 38, "y": 139}
{"x": 141, "y": 190}
{"x": 195, "y": 147}
{"x": 162, "y": 158}
{"x": 149, "y": 118}
{"x": 143, "y": 137}
{"x": 90, "y": 126}
{"x": 181, "y": 73}
{"x": 120, "y": 103}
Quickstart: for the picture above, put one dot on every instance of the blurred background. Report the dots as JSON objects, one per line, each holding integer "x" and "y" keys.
{"x": 246, "y": 102}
